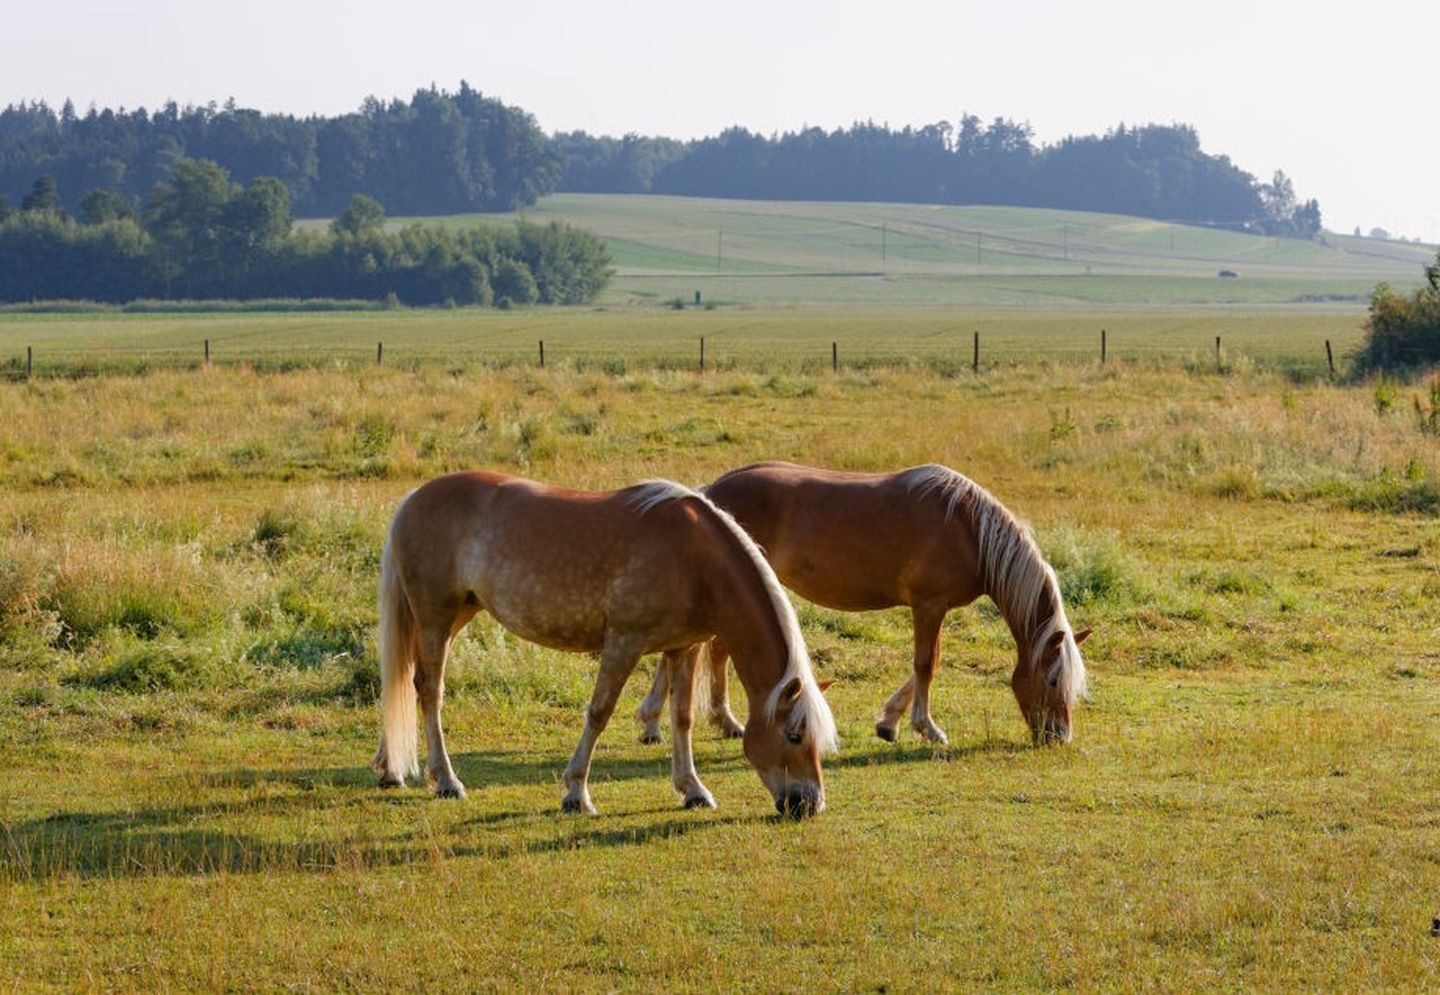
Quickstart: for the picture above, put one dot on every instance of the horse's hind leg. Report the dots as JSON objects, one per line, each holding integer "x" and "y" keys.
{"x": 914, "y": 694}
{"x": 430, "y": 686}
{"x": 888, "y": 723}
{"x": 616, "y": 661}
{"x": 719, "y": 705}
{"x": 648, "y": 714}
{"x": 683, "y": 673}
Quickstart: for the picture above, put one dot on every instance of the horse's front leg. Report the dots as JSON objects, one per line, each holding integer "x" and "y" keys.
{"x": 648, "y": 714}
{"x": 683, "y": 674}
{"x": 928, "y": 619}
{"x": 617, "y": 659}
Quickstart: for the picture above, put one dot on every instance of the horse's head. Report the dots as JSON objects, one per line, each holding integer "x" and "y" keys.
{"x": 784, "y": 741}
{"x": 1047, "y": 681}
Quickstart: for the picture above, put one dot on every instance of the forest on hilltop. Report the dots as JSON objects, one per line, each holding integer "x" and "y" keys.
{"x": 451, "y": 153}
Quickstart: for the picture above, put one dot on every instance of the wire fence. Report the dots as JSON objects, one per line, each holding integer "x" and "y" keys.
{"x": 975, "y": 353}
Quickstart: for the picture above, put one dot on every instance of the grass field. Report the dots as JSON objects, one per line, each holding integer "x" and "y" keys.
{"x": 622, "y": 339}
{"x": 187, "y": 676}
{"x": 766, "y": 252}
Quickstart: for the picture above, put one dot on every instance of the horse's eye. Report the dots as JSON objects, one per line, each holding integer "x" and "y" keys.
{"x": 796, "y": 738}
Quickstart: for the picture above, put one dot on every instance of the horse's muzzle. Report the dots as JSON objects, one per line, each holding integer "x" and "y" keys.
{"x": 1052, "y": 733}
{"x": 800, "y": 801}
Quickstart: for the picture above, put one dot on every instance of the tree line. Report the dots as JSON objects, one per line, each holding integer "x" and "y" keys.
{"x": 438, "y": 153}
{"x": 449, "y": 153}
{"x": 1156, "y": 171}
{"x": 200, "y": 235}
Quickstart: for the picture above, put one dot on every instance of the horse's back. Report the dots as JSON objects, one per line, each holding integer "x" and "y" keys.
{"x": 845, "y": 539}
{"x": 556, "y": 566}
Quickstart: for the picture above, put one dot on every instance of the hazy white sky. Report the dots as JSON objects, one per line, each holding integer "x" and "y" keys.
{"x": 1344, "y": 97}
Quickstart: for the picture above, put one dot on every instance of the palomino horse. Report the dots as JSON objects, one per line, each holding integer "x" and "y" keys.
{"x": 926, "y": 537}
{"x": 651, "y": 568}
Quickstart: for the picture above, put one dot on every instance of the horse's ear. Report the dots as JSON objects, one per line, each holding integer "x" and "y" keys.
{"x": 1081, "y": 636}
{"x": 825, "y": 685}
{"x": 790, "y": 693}
{"x": 1056, "y": 640}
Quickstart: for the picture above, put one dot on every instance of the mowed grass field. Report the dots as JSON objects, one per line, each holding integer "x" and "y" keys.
{"x": 188, "y": 560}
{"x": 807, "y": 253}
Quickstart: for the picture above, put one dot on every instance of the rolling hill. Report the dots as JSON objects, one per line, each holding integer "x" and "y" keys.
{"x": 769, "y": 252}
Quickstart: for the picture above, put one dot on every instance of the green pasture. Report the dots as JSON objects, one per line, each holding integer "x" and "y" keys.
{"x": 188, "y": 562}
{"x": 769, "y": 252}
{"x": 620, "y": 339}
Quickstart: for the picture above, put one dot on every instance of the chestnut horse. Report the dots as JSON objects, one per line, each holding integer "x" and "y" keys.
{"x": 651, "y": 568}
{"x": 926, "y": 537}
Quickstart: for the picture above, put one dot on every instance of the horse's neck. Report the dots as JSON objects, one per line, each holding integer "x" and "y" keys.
{"x": 747, "y": 620}
{"x": 1024, "y": 610}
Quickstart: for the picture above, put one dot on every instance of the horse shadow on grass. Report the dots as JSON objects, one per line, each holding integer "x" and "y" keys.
{"x": 190, "y": 838}
{"x": 886, "y": 754}
{"x": 479, "y": 769}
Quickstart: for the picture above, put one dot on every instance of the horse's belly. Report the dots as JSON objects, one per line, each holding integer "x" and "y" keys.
{"x": 835, "y": 585}
{"x": 557, "y": 626}
{"x": 561, "y": 617}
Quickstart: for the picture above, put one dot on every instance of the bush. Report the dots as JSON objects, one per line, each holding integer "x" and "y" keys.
{"x": 1403, "y": 332}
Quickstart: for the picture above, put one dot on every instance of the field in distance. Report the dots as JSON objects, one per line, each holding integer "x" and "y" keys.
{"x": 617, "y": 340}
{"x": 797, "y": 252}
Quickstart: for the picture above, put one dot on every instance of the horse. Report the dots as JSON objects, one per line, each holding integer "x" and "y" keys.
{"x": 656, "y": 567}
{"x": 927, "y": 537}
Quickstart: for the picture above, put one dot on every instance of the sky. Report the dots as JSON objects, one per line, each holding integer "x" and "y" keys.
{"x": 1344, "y": 97}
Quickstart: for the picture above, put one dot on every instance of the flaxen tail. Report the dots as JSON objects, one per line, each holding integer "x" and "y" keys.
{"x": 398, "y": 756}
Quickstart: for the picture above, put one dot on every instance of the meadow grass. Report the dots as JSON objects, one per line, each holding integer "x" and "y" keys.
{"x": 187, "y": 679}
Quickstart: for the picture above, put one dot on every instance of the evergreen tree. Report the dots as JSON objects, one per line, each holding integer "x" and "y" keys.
{"x": 43, "y": 196}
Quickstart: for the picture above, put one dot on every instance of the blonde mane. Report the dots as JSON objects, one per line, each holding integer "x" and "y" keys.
{"x": 1013, "y": 569}
{"x": 812, "y": 708}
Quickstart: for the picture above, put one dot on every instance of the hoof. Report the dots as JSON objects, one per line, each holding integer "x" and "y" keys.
{"x": 456, "y": 790}
{"x": 651, "y": 738}
{"x": 577, "y": 806}
{"x": 933, "y": 734}
{"x": 391, "y": 782}
{"x": 885, "y": 732}
{"x": 700, "y": 801}
{"x": 732, "y": 732}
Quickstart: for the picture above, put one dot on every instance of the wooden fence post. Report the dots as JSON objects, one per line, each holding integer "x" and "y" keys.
{"x": 835, "y": 357}
{"x": 207, "y": 352}
{"x": 1217, "y": 352}
{"x": 542, "y": 354}
{"x": 1102, "y": 347}
{"x": 379, "y": 353}
{"x": 29, "y": 362}
{"x": 1330, "y": 358}
{"x": 702, "y": 345}
{"x": 975, "y": 362}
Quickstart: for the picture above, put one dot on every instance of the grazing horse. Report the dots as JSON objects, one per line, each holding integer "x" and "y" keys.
{"x": 926, "y": 537}
{"x": 651, "y": 568}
